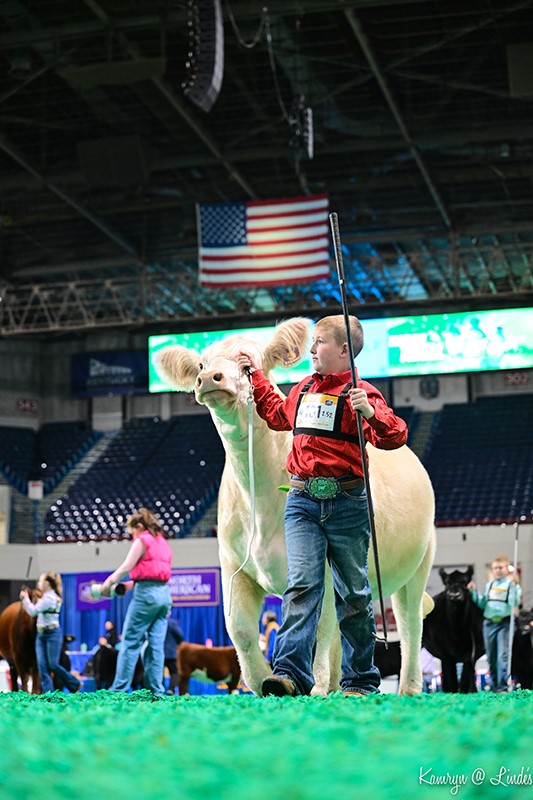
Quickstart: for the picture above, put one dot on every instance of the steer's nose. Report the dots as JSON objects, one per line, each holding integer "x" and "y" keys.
{"x": 209, "y": 378}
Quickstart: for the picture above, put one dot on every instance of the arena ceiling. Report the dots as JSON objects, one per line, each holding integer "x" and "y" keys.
{"x": 422, "y": 121}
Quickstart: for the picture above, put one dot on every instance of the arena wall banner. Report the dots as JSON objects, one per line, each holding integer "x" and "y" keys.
{"x": 84, "y": 600}
{"x": 113, "y": 372}
{"x": 195, "y": 587}
{"x": 188, "y": 587}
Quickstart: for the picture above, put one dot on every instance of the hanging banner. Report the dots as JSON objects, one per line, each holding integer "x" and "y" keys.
{"x": 114, "y": 372}
{"x": 195, "y": 587}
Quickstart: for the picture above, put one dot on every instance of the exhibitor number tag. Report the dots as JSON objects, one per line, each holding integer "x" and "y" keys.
{"x": 317, "y": 411}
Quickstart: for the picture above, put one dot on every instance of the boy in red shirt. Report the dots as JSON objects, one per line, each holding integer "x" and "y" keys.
{"x": 326, "y": 515}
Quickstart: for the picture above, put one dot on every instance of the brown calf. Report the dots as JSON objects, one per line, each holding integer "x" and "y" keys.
{"x": 214, "y": 664}
{"x": 17, "y": 644}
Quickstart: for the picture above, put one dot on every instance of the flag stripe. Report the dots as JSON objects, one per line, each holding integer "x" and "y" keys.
{"x": 284, "y": 220}
{"x": 263, "y": 207}
{"x": 261, "y": 251}
{"x": 273, "y": 277}
{"x": 280, "y": 236}
{"x": 274, "y": 223}
{"x": 250, "y": 265}
{"x": 264, "y": 242}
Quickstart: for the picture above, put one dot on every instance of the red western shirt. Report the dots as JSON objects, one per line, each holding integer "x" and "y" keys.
{"x": 314, "y": 456}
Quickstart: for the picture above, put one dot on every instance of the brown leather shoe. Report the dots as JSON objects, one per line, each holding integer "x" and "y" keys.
{"x": 278, "y": 686}
{"x": 353, "y": 693}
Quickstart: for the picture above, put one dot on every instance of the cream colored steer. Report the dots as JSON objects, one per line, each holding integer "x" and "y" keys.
{"x": 401, "y": 492}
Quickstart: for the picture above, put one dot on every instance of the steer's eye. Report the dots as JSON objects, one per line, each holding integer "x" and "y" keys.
{"x": 200, "y": 366}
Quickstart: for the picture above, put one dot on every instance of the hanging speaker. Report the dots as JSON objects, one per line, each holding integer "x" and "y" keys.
{"x": 301, "y": 137}
{"x": 205, "y": 58}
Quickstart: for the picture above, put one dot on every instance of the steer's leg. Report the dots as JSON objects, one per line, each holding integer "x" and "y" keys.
{"x": 24, "y": 671}
{"x": 407, "y": 604}
{"x": 242, "y": 611}
{"x": 14, "y": 678}
{"x": 234, "y": 679}
{"x": 468, "y": 677}
{"x": 327, "y": 662}
{"x": 449, "y": 675}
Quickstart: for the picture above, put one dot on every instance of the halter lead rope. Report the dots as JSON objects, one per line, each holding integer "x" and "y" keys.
{"x": 252, "y": 487}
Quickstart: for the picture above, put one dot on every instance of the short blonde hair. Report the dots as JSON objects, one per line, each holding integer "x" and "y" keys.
{"x": 336, "y": 325}
{"x": 501, "y": 560}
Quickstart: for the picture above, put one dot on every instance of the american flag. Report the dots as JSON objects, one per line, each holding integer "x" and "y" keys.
{"x": 264, "y": 243}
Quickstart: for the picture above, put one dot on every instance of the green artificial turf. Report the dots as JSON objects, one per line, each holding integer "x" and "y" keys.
{"x": 95, "y": 746}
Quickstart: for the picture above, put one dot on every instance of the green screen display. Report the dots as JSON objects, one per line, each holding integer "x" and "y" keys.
{"x": 200, "y": 340}
{"x": 433, "y": 344}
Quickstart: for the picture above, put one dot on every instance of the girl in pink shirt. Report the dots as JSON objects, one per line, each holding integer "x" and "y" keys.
{"x": 149, "y": 565}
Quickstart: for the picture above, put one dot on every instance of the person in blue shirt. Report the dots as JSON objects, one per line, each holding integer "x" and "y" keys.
{"x": 501, "y": 596}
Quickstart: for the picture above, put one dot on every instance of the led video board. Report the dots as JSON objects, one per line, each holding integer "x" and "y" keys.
{"x": 429, "y": 344}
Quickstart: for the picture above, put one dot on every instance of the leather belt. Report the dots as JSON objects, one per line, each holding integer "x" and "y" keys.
{"x": 325, "y": 488}
{"x": 47, "y": 628}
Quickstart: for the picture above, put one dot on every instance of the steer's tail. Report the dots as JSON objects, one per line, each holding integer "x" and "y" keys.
{"x": 427, "y": 604}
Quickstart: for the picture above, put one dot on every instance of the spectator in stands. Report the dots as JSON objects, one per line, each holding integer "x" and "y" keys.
{"x": 149, "y": 564}
{"x": 501, "y": 596}
{"x": 173, "y": 638}
{"x": 270, "y": 623}
{"x": 49, "y": 639}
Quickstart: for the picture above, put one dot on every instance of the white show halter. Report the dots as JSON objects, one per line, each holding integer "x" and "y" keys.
{"x": 252, "y": 488}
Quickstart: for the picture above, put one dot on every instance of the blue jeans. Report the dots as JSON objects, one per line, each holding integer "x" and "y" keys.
{"x": 48, "y": 652}
{"x": 146, "y": 618}
{"x": 496, "y": 638}
{"x": 336, "y": 530}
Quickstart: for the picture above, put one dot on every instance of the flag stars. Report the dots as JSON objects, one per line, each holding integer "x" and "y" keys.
{"x": 223, "y": 225}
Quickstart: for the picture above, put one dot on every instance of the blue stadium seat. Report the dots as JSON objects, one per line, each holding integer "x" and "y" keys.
{"x": 144, "y": 466}
{"x": 481, "y": 455}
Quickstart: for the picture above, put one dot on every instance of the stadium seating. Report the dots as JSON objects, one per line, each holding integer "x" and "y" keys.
{"x": 173, "y": 467}
{"x": 480, "y": 461}
{"x": 407, "y": 413}
{"x": 17, "y": 453}
{"x": 46, "y": 455}
{"x": 60, "y": 445}
{"x": 478, "y": 456}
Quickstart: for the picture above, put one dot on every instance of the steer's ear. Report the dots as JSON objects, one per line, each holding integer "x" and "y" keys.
{"x": 178, "y": 366}
{"x": 289, "y": 344}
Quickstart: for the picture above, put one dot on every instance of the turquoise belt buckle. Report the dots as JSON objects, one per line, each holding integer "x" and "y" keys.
{"x": 323, "y": 488}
